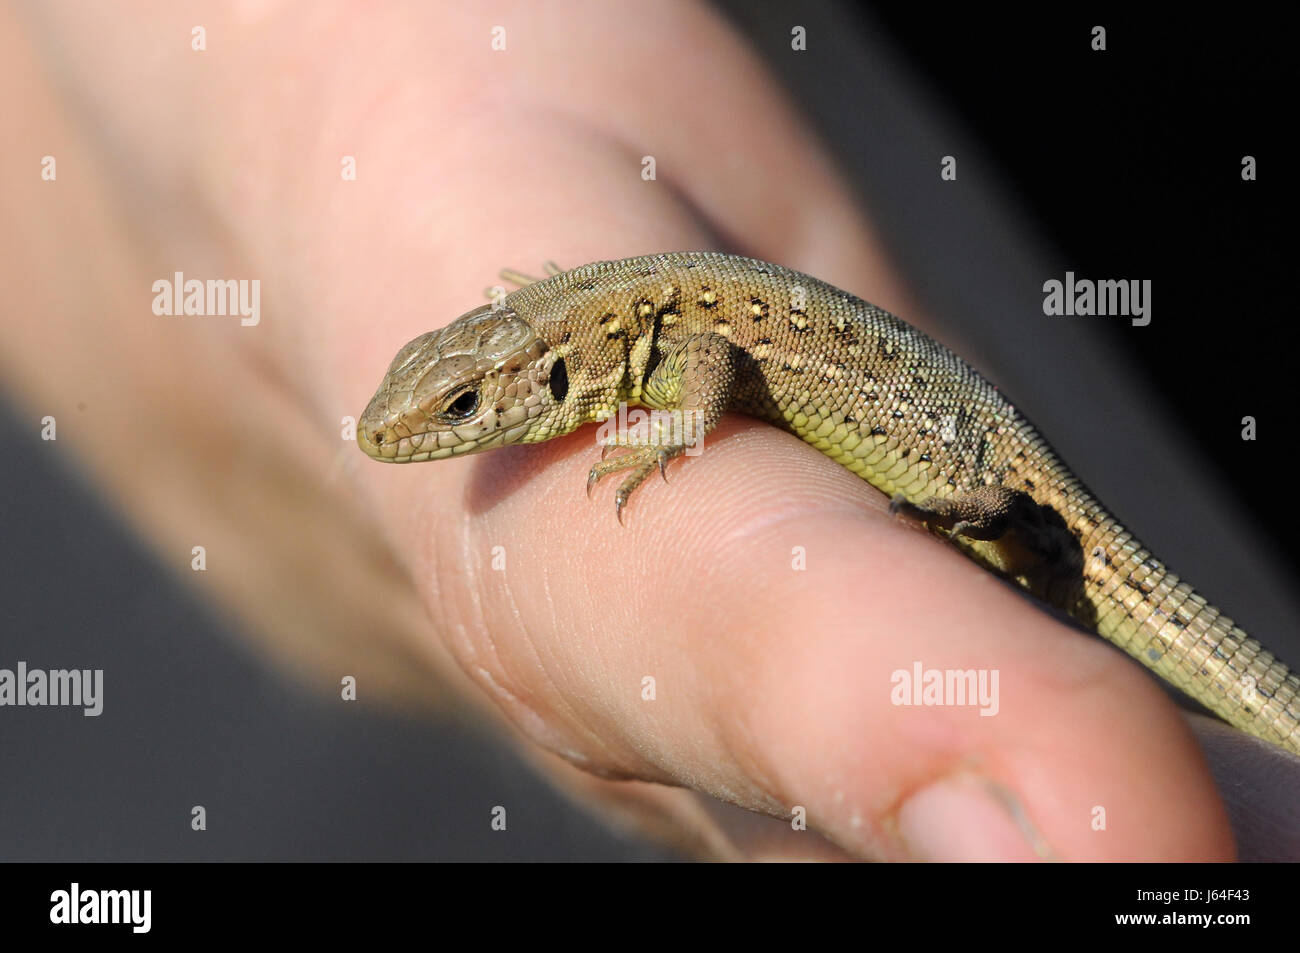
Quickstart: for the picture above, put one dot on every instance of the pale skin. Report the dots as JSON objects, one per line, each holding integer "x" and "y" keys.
{"x": 772, "y": 685}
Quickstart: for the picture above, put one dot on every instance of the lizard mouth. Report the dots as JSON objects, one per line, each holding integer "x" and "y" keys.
{"x": 382, "y": 444}
{"x": 396, "y": 437}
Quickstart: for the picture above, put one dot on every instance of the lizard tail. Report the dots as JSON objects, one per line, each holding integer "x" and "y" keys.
{"x": 1133, "y": 600}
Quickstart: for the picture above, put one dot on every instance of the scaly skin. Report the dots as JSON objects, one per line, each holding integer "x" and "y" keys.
{"x": 705, "y": 333}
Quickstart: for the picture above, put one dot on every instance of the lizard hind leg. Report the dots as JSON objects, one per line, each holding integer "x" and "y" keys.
{"x": 985, "y": 513}
{"x": 1012, "y": 534}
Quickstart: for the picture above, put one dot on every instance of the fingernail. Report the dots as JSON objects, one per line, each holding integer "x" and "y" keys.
{"x": 967, "y": 818}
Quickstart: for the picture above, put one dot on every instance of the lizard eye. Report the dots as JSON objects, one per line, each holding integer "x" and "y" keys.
{"x": 462, "y": 405}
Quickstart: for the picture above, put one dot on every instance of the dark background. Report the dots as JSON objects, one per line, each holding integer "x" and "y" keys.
{"x": 1131, "y": 159}
{"x": 1119, "y": 164}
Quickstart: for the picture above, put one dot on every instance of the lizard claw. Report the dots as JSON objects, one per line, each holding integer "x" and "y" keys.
{"x": 642, "y": 461}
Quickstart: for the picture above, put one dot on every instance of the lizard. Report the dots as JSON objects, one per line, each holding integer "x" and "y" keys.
{"x": 692, "y": 335}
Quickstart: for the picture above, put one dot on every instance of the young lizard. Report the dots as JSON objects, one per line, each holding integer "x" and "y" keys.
{"x": 702, "y": 333}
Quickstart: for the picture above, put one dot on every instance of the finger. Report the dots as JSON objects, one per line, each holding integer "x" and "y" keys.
{"x": 685, "y": 649}
{"x": 773, "y": 685}
{"x": 737, "y": 149}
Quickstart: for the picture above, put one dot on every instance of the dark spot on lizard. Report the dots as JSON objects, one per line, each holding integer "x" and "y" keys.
{"x": 877, "y": 431}
{"x": 656, "y": 356}
{"x": 559, "y": 380}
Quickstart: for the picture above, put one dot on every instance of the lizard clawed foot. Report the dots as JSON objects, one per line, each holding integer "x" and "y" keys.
{"x": 985, "y": 513}
{"x": 519, "y": 279}
{"x": 609, "y": 445}
{"x": 641, "y": 460}
{"x": 522, "y": 280}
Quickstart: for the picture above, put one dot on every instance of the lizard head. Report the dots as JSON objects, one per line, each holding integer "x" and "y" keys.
{"x": 483, "y": 381}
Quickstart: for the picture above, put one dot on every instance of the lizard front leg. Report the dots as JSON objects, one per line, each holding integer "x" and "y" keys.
{"x": 519, "y": 279}
{"x": 692, "y": 385}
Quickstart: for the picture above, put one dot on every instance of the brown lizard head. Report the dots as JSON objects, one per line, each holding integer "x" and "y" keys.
{"x": 483, "y": 381}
